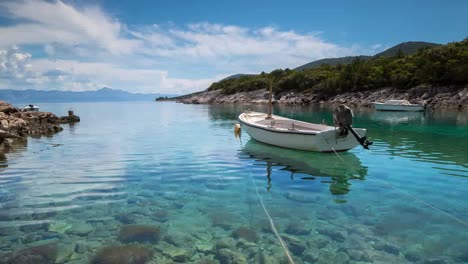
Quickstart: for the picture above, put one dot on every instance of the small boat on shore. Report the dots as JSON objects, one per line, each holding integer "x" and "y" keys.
{"x": 295, "y": 134}
{"x": 398, "y": 105}
{"x": 31, "y": 108}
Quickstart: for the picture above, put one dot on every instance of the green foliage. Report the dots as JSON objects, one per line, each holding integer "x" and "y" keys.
{"x": 442, "y": 65}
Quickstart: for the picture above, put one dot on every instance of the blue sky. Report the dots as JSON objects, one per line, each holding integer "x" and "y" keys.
{"x": 183, "y": 46}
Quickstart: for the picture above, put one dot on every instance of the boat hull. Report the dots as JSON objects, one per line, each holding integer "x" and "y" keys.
{"x": 407, "y": 108}
{"x": 323, "y": 141}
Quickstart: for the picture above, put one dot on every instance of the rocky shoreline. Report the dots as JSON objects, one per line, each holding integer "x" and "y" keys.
{"x": 432, "y": 97}
{"x": 16, "y": 125}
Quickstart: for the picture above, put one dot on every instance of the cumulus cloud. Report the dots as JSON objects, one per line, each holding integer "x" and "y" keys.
{"x": 56, "y": 22}
{"x": 86, "y": 48}
{"x": 265, "y": 46}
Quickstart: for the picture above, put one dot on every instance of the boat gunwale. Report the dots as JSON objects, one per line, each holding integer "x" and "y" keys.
{"x": 285, "y": 131}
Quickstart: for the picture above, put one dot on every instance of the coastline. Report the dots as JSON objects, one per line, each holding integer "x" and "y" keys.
{"x": 432, "y": 97}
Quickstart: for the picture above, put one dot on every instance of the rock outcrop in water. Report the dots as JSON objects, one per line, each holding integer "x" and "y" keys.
{"x": 433, "y": 97}
{"x": 16, "y": 125}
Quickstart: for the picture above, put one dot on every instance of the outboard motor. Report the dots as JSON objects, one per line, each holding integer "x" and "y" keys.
{"x": 343, "y": 119}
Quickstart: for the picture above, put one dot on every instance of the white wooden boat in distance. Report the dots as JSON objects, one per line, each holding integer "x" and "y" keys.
{"x": 295, "y": 134}
{"x": 398, "y": 105}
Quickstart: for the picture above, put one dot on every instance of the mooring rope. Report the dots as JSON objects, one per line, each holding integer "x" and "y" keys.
{"x": 412, "y": 196}
{"x": 272, "y": 224}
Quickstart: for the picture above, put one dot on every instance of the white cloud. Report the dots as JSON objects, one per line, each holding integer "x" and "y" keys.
{"x": 85, "y": 48}
{"x": 57, "y": 22}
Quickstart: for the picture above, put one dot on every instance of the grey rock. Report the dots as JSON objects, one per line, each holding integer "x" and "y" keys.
{"x": 297, "y": 228}
{"x": 334, "y": 234}
{"x": 387, "y": 247}
{"x": 227, "y": 256}
{"x": 296, "y": 246}
{"x": 225, "y": 243}
{"x": 80, "y": 229}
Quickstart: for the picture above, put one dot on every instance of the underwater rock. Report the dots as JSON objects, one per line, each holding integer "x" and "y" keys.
{"x": 204, "y": 247}
{"x": 336, "y": 235}
{"x": 34, "y": 228}
{"x": 81, "y": 247}
{"x": 327, "y": 257}
{"x": 311, "y": 254}
{"x": 358, "y": 255}
{"x": 139, "y": 233}
{"x": 296, "y": 228}
{"x": 125, "y": 218}
{"x": 262, "y": 258}
{"x": 59, "y": 227}
{"x": 386, "y": 247}
{"x": 43, "y": 254}
{"x": 29, "y": 238}
{"x": 227, "y": 256}
{"x": 128, "y": 254}
{"x": 80, "y": 229}
{"x": 354, "y": 241}
{"x": 225, "y": 243}
{"x": 413, "y": 255}
{"x": 319, "y": 241}
{"x": 207, "y": 260}
{"x": 64, "y": 254}
{"x": 223, "y": 219}
{"x": 245, "y": 233}
{"x": 177, "y": 254}
{"x": 178, "y": 239}
{"x": 295, "y": 245}
{"x": 161, "y": 215}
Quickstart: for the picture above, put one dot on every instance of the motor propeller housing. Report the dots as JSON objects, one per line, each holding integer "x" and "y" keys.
{"x": 343, "y": 119}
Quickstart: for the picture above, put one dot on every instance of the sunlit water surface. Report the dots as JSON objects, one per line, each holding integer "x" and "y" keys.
{"x": 177, "y": 175}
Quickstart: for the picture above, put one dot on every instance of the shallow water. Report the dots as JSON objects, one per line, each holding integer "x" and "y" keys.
{"x": 180, "y": 168}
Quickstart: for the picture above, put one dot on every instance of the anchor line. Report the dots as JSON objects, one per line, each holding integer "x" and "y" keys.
{"x": 272, "y": 224}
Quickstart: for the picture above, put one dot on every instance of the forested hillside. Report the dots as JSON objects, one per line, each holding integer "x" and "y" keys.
{"x": 445, "y": 65}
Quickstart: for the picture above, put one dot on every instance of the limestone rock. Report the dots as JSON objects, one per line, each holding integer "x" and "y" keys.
{"x": 334, "y": 234}
{"x": 128, "y": 254}
{"x": 245, "y": 233}
{"x": 80, "y": 229}
{"x": 227, "y": 256}
{"x": 37, "y": 254}
{"x": 139, "y": 233}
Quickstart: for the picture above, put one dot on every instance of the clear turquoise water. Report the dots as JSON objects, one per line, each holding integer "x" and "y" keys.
{"x": 180, "y": 168}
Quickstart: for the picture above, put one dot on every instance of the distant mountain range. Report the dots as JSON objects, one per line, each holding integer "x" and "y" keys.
{"x": 101, "y": 95}
{"x": 409, "y": 47}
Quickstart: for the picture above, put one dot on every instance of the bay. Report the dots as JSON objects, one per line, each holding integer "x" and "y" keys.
{"x": 179, "y": 169}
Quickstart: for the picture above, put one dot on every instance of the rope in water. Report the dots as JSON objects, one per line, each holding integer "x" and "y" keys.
{"x": 411, "y": 196}
{"x": 272, "y": 224}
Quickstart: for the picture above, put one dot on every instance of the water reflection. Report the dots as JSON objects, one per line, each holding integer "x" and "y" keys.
{"x": 11, "y": 146}
{"x": 302, "y": 165}
{"x": 398, "y": 117}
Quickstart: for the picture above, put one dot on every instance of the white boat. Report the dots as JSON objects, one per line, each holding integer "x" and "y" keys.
{"x": 398, "y": 105}
{"x": 31, "y": 107}
{"x": 294, "y": 134}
